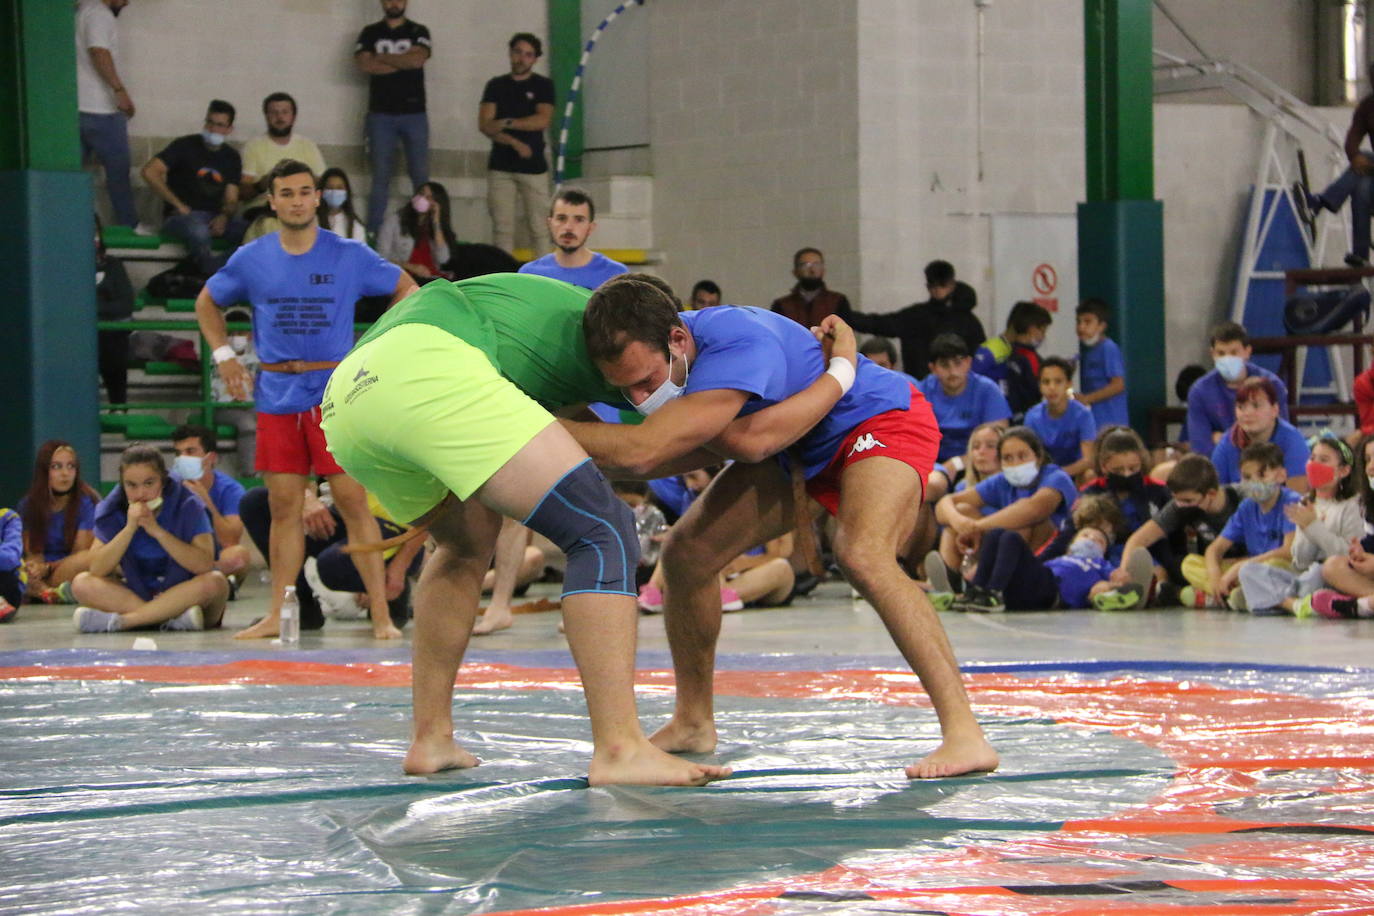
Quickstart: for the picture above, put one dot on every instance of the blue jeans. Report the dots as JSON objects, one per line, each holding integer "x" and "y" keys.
{"x": 193, "y": 229}
{"x": 382, "y": 132}
{"x": 1359, "y": 189}
{"x": 107, "y": 136}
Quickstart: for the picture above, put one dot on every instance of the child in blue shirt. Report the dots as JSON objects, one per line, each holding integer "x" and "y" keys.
{"x": 1065, "y": 426}
{"x": 1260, "y": 525}
{"x": 11, "y": 564}
{"x": 1031, "y": 496}
{"x": 961, "y": 401}
{"x": 1101, "y": 370}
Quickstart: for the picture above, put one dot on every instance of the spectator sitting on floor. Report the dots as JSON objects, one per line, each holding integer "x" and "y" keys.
{"x": 336, "y": 206}
{"x": 1257, "y": 420}
{"x": 58, "y": 514}
{"x": 196, "y": 467}
{"x": 197, "y": 177}
{"x": 949, "y": 310}
{"x": 705, "y": 294}
{"x": 11, "y": 564}
{"x": 156, "y": 534}
{"x": 1212, "y": 398}
{"x": 1010, "y": 359}
{"x": 1065, "y": 425}
{"x": 418, "y": 236}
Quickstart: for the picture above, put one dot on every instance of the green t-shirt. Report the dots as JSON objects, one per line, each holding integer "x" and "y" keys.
{"x": 530, "y": 328}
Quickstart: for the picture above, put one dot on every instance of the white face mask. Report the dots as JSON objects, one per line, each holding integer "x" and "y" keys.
{"x": 335, "y": 197}
{"x": 1088, "y": 548}
{"x": 1230, "y": 367}
{"x": 154, "y": 504}
{"x": 1092, "y": 341}
{"x": 214, "y": 140}
{"x": 240, "y": 344}
{"x": 666, "y": 392}
{"x": 188, "y": 467}
{"x": 1021, "y": 475}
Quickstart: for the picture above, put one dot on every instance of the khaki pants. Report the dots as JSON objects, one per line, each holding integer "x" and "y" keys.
{"x": 1194, "y": 568}
{"x": 533, "y": 191}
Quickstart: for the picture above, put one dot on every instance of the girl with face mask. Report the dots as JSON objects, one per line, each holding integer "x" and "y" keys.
{"x": 1029, "y": 496}
{"x": 1328, "y": 520}
{"x": 1258, "y": 420}
{"x": 419, "y": 236}
{"x": 336, "y": 211}
{"x": 58, "y": 513}
{"x": 158, "y": 536}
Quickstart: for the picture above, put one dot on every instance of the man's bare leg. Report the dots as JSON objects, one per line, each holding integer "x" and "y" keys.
{"x": 877, "y": 507}
{"x": 351, "y": 500}
{"x": 510, "y": 557}
{"x": 745, "y": 505}
{"x": 286, "y": 546}
{"x": 445, "y": 606}
{"x": 602, "y": 630}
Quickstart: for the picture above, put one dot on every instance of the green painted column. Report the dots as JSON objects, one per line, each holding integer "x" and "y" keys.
{"x": 1121, "y": 226}
{"x": 565, "y": 50}
{"x": 48, "y": 377}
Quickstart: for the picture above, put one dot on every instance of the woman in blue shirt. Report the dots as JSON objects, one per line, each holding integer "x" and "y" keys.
{"x": 1031, "y": 496}
{"x": 157, "y": 534}
{"x": 58, "y": 514}
{"x": 1258, "y": 420}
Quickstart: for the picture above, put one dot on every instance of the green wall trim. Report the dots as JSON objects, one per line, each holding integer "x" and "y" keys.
{"x": 565, "y": 50}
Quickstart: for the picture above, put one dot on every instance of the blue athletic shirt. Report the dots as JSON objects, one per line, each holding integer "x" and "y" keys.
{"x": 1097, "y": 366}
{"x": 1212, "y": 406}
{"x": 980, "y": 402}
{"x": 996, "y": 492}
{"x": 55, "y": 547}
{"x": 1286, "y": 436}
{"x": 770, "y": 357}
{"x": 591, "y": 276}
{"x": 1257, "y": 531}
{"x": 1076, "y": 577}
{"x": 302, "y": 308}
{"x": 1063, "y": 436}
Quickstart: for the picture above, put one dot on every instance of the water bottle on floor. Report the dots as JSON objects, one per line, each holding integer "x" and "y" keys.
{"x": 290, "y": 619}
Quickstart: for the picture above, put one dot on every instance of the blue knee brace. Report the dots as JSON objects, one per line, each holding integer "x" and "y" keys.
{"x": 584, "y": 517}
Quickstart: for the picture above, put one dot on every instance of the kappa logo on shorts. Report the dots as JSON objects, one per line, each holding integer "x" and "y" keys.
{"x": 864, "y": 443}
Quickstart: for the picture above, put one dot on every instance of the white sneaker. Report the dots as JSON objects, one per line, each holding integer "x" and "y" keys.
{"x": 147, "y": 229}
{"x": 89, "y": 620}
{"x": 193, "y": 618}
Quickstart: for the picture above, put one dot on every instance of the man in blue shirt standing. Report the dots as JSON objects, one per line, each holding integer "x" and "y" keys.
{"x": 303, "y": 283}
{"x": 961, "y": 401}
{"x": 1212, "y": 399}
{"x": 571, "y": 222}
{"x": 866, "y": 461}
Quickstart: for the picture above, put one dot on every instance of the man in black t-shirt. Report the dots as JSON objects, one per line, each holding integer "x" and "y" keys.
{"x": 393, "y": 53}
{"x": 516, "y": 110}
{"x": 197, "y": 176}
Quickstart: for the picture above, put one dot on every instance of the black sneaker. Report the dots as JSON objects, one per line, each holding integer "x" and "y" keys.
{"x": 1355, "y": 260}
{"x": 804, "y": 585}
{"x": 983, "y": 600}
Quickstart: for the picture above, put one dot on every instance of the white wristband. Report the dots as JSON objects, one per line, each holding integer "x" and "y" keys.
{"x": 223, "y": 354}
{"x": 842, "y": 371}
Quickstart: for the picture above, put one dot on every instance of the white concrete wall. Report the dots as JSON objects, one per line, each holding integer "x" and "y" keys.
{"x": 755, "y": 142}
{"x": 178, "y": 55}
{"x": 1276, "y": 37}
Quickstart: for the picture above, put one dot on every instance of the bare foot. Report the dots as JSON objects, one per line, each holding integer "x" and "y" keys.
{"x": 493, "y": 619}
{"x": 954, "y": 758}
{"x": 430, "y": 755}
{"x": 645, "y": 765}
{"x": 681, "y": 737}
{"x": 264, "y": 628}
{"x": 387, "y": 631}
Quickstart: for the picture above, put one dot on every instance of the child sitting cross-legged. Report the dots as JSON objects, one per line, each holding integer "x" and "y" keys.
{"x": 1350, "y": 578}
{"x": 1011, "y": 576}
{"x": 1261, "y": 526}
{"x": 1327, "y": 519}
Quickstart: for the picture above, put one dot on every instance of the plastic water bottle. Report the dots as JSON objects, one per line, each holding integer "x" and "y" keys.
{"x": 290, "y": 619}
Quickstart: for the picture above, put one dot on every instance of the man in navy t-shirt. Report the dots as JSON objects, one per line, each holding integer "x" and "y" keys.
{"x": 866, "y": 460}
{"x": 302, "y": 283}
{"x": 571, "y": 223}
{"x": 515, "y": 110}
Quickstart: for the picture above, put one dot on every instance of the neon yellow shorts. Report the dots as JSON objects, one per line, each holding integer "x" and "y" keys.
{"x": 417, "y": 412}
